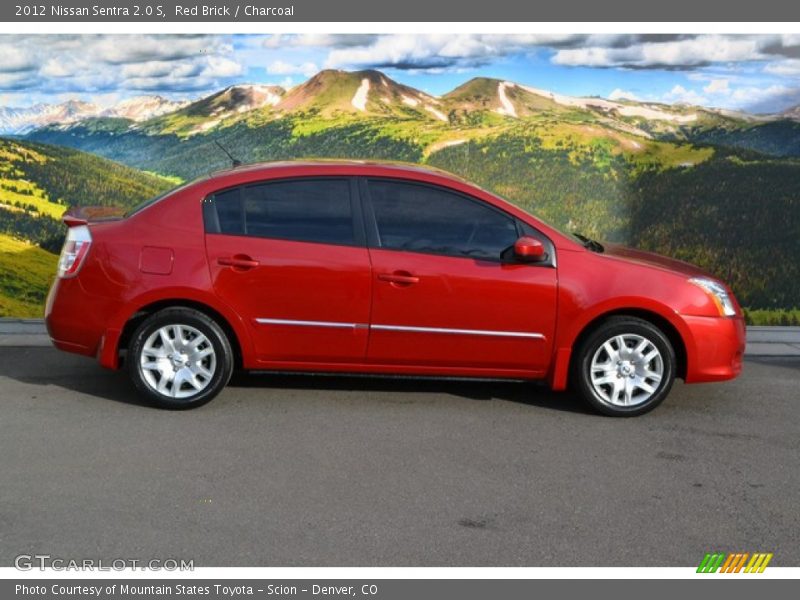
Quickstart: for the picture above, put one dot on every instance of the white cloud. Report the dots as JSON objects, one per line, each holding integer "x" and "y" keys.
{"x": 718, "y": 86}
{"x": 320, "y": 40}
{"x": 439, "y": 51}
{"x": 219, "y": 66}
{"x": 434, "y": 52}
{"x": 620, "y": 94}
{"x": 681, "y": 95}
{"x": 101, "y": 64}
{"x": 280, "y": 67}
{"x": 786, "y": 68}
{"x": 15, "y": 59}
{"x": 160, "y": 68}
{"x": 14, "y": 81}
{"x": 56, "y": 67}
{"x": 684, "y": 53}
{"x": 122, "y": 49}
{"x": 749, "y": 98}
{"x": 766, "y": 99}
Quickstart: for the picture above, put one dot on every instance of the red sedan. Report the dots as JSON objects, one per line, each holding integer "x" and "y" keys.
{"x": 359, "y": 267}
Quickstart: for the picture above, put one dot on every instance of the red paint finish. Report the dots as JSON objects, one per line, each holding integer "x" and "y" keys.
{"x": 455, "y": 294}
{"x": 529, "y": 248}
{"x": 156, "y": 261}
{"x": 311, "y": 306}
{"x": 300, "y": 282}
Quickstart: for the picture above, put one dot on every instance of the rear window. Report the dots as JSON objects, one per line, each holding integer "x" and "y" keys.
{"x": 315, "y": 210}
{"x": 150, "y": 201}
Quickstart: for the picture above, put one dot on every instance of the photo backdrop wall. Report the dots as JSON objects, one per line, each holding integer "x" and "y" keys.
{"x": 685, "y": 145}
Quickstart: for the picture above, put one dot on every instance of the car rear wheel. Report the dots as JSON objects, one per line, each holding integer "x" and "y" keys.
{"x": 179, "y": 358}
{"x": 625, "y": 367}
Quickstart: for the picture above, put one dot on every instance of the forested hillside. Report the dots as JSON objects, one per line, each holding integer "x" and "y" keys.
{"x": 38, "y": 183}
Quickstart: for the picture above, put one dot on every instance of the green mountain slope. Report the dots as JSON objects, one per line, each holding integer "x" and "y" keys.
{"x": 37, "y": 184}
{"x": 210, "y": 111}
{"x": 777, "y": 138}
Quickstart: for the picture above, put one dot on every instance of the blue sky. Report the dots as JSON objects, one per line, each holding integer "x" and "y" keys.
{"x": 758, "y": 73}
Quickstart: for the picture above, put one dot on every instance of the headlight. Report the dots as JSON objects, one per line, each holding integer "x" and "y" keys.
{"x": 717, "y": 293}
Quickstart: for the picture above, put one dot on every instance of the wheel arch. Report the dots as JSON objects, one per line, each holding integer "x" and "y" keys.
{"x": 147, "y": 310}
{"x": 565, "y": 357}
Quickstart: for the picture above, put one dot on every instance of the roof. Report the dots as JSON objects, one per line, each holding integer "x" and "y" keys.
{"x": 333, "y": 162}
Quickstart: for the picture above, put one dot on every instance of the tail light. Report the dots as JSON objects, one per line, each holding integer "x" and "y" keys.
{"x": 74, "y": 252}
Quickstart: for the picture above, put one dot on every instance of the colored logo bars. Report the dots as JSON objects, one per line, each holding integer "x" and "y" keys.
{"x": 734, "y": 562}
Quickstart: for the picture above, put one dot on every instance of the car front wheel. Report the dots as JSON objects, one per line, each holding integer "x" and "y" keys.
{"x": 179, "y": 358}
{"x": 625, "y": 367}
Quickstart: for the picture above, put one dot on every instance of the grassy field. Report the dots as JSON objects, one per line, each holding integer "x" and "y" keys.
{"x": 773, "y": 317}
{"x": 37, "y": 184}
{"x": 26, "y": 272}
{"x": 22, "y": 195}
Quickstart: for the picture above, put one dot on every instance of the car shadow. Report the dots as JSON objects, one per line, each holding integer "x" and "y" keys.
{"x": 99, "y": 383}
{"x": 520, "y": 392}
{"x": 783, "y": 362}
{"x": 83, "y": 376}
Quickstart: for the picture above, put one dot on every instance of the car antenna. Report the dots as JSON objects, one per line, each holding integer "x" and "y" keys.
{"x": 235, "y": 162}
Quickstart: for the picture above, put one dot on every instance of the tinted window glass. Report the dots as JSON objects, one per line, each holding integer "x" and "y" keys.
{"x": 301, "y": 210}
{"x": 420, "y": 218}
{"x": 229, "y": 211}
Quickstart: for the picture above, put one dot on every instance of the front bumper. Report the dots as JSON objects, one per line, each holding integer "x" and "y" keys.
{"x": 715, "y": 348}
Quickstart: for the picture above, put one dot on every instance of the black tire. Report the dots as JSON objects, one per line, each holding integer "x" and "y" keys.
{"x": 191, "y": 321}
{"x": 602, "y": 397}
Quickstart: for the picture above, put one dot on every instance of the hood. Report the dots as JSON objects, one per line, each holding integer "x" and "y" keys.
{"x": 653, "y": 260}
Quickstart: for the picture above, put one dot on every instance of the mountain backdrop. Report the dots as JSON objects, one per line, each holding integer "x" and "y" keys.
{"x": 717, "y": 188}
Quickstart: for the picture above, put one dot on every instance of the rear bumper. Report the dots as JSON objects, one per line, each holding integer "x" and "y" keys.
{"x": 78, "y": 322}
{"x": 715, "y": 348}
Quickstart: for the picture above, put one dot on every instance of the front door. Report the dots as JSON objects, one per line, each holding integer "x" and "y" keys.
{"x": 288, "y": 257}
{"x": 441, "y": 295}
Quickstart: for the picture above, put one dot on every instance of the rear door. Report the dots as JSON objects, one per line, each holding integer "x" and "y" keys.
{"x": 289, "y": 257}
{"x": 442, "y": 296}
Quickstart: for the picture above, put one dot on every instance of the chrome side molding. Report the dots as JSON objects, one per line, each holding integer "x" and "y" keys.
{"x": 406, "y": 328}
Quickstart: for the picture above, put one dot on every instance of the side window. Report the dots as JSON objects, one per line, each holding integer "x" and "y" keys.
{"x": 421, "y": 218}
{"x": 229, "y": 211}
{"x": 311, "y": 210}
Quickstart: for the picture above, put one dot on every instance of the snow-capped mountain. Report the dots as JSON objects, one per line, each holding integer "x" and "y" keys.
{"x": 18, "y": 120}
{"x": 792, "y": 113}
{"x": 142, "y": 108}
{"x": 235, "y": 99}
{"x": 372, "y": 94}
{"x": 21, "y": 120}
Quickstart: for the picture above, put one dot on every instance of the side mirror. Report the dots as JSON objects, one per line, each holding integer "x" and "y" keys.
{"x": 529, "y": 249}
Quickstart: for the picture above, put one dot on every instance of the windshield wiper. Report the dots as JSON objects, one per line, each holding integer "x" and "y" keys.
{"x": 589, "y": 243}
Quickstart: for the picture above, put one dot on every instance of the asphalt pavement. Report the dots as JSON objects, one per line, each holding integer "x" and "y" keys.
{"x": 335, "y": 471}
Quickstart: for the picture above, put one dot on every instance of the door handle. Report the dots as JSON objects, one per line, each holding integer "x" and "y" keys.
{"x": 240, "y": 261}
{"x": 399, "y": 278}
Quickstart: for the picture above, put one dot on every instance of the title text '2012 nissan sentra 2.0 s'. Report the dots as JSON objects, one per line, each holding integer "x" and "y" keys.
{"x": 357, "y": 267}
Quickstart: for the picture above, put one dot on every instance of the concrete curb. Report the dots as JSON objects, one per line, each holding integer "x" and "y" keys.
{"x": 23, "y": 333}
{"x": 761, "y": 341}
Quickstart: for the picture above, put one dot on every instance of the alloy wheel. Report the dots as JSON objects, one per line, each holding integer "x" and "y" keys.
{"x": 626, "y": 370}
{"x": 177, "y": 361}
